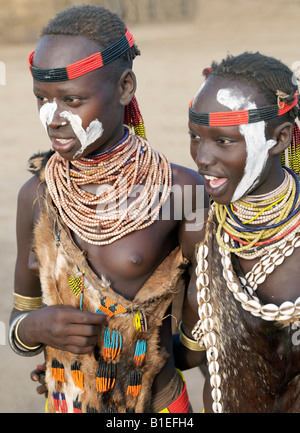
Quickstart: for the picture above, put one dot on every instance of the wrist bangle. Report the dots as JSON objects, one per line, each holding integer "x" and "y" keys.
{"x": 188, "y": 342}
{"x": 16, "y": 344}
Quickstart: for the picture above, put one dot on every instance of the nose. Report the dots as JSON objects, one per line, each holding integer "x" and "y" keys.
{"x": 49, "y": 116}
{"x": 56, "y": 121}
{"x": 203, "y": 153}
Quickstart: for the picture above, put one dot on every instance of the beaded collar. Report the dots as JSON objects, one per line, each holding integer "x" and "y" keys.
{"x": 113, "y": 210}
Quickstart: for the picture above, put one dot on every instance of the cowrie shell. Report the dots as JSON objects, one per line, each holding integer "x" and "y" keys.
{"x": 208, "y": 324}
{"x": 213, "y": 367}
{"x": 215, "y": 380}
{"x": 234, "y": 287}
{"x": 217, "y": 407}
{"x": 212, "y": 354}
{"x": 253, "y": 306}
{"x": 211, "y": 338}
{"x": 206, "y": 309}
{"x": 288, "y": 251}
{"x": 287, "y": 308}
{"x": 202, "y": 252}
{"x": 205, "y": 294}
{"x": 269, "y": 268}
{"x": 257, "y": 268}
{"x": 278, "y": 260}
{"x": 270, "y": 310}
{"x": 296, "y": 242}
{"x": 203, "y": 279}
{"x": 260, "y": 278}
{"x": 216, "y": 394}
{"x": 226, "y": 238}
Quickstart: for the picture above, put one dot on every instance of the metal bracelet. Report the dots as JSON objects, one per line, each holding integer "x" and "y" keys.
{"x": 16, "y": 344}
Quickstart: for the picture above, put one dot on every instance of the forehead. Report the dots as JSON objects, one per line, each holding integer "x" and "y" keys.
{"x": 56, "y": 51}
{"x": 218, "y": 94}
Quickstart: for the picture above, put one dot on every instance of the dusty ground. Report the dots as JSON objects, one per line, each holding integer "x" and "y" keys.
{"x": 169, "y": 73}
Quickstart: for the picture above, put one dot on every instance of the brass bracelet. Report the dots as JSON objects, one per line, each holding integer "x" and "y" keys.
{"x": 27, "y": 303}
{"x": 188, "y": 342}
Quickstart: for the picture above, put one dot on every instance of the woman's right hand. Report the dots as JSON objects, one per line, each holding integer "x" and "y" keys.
{"x": 62, "y": 327}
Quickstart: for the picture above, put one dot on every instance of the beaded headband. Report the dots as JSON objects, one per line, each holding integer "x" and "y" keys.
{"x": 234, "y": 118}
{"x": 95, "y": 61}
{"x": 132, "y": 115}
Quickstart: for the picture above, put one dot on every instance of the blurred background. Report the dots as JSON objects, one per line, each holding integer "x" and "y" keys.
{"x": 178, "y": 39}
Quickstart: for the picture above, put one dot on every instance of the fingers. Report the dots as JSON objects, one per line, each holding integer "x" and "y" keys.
{"x": 88, "y": 318}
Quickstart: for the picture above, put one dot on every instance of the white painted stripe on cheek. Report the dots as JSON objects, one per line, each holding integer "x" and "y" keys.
{"x": 47, "y": 112}
{"x": 86, "y": 137}
{"x": 257, "y": 146}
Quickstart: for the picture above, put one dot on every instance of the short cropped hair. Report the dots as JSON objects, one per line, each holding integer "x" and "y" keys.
{"x": 94, "y": 22}
{"x": 267, "y": 74}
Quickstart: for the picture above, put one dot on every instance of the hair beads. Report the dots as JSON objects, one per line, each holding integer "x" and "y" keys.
{"x": 291, "y": 156}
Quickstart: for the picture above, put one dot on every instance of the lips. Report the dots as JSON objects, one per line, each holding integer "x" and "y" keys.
{"x": 215, "y": 182}
{"x": 62, "y": 145}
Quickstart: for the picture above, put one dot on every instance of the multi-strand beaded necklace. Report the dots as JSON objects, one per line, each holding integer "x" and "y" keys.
{"x": 133, "y": 182}
{"x": 257, "y": 223}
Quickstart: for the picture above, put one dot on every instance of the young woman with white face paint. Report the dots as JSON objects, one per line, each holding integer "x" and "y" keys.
{"x": 82, "y": 216}
{"x": 246, "y": 290}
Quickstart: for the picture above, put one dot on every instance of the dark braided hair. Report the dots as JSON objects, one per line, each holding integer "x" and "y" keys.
{"x": 267, "y": 74}
{"x": 96, "y": 23}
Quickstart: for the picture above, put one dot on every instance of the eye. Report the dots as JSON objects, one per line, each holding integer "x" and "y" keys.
{"x": 73, "y": 100}
{"x": 223, "y": 141}
{"x": 41, "y": 99}
{"x": 194, "y": 136}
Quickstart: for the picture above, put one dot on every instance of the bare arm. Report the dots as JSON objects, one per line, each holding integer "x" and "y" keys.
{"x": 61, "y": 327}
{"x": 191, "y": 232}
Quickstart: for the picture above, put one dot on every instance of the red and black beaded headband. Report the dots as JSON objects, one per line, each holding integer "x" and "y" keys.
{"x": 95, "y": 61}
{"x": 234, "y": 118}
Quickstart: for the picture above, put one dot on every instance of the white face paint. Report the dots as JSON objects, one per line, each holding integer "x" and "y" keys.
{"x": 257, "y": 146}
{"x": 47, "y": 112}
{"x": 86, "y": 137}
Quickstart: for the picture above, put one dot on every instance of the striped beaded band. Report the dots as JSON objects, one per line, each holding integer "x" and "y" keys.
{"x": 242, "y": 117}
{"x": 95, "y": 61}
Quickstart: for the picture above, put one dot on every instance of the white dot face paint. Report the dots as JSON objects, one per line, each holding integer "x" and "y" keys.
{"x": 86, "y": 137}
{"x": 257, "y": 146}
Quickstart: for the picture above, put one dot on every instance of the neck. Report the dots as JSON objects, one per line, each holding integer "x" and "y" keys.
{"x": 97, "y": 153}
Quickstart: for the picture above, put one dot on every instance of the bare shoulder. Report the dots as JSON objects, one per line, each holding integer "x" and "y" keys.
{"x": 186, "y": 176}
{"x": 29, "y": 197}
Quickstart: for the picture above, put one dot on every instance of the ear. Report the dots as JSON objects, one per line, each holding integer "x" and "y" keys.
{"x": 127, "y": 86}
{"x": 282, "y": 134}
